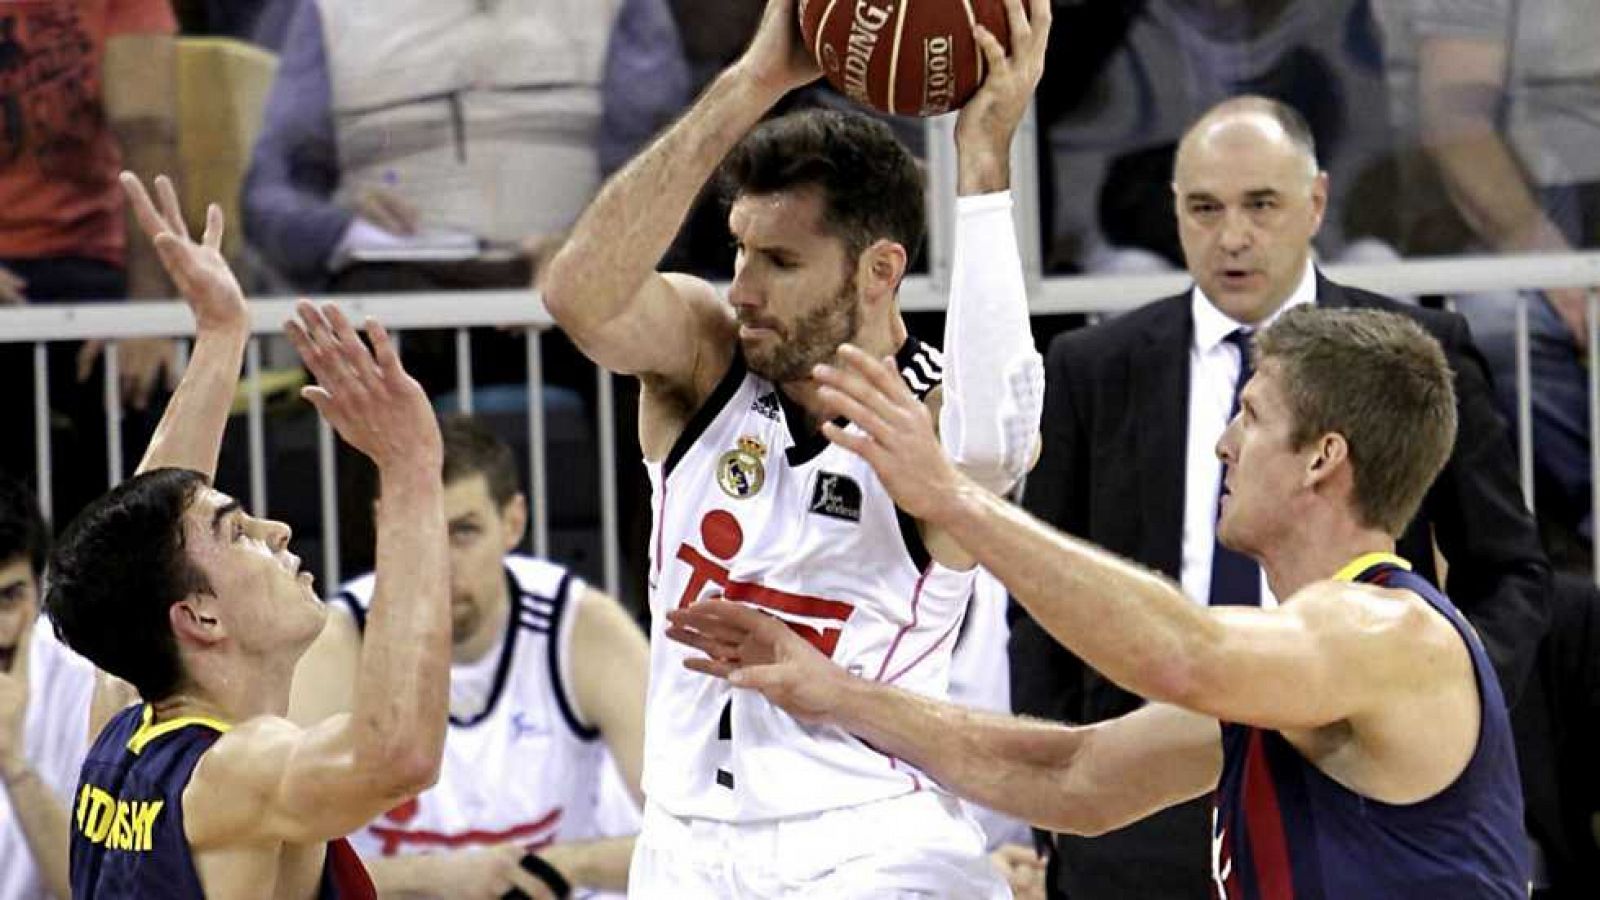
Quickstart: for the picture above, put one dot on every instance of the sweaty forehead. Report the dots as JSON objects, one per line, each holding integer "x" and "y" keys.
{"x": 781, "y": 217}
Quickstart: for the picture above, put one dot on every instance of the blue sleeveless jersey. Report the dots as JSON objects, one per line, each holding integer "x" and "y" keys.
{"x": 127, "y": 816}
{"x": 1283, "y": 830}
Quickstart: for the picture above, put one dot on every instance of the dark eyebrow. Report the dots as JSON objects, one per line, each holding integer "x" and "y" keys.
{"x": 223, "y": 511}
{"x": 1261, "y": 194}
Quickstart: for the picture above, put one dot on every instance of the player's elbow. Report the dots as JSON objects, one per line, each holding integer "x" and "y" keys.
{"x": 558, "y": 284}
{"x": 414, "y": 770}
{"x": 405, "y": 763}
{"x": 1080, "y": 819}
{"x": 1178, "y": 678}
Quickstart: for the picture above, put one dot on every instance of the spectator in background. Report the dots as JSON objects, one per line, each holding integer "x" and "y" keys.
{"x": 1503, "y": 97}
{"x": 547, "y": 688}
{"x": 1133, "y": 410}
{"x": 441, "y": 145}
{"x": 86, "y": 89}
{"x": 1111, "y": 142}
{"x": 46, "y": 694}
{"x": 416, "y": 132}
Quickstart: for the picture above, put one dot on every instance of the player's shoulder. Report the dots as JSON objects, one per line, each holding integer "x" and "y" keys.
{"x": 357, "y": 592}
{"x": 235, "y": 776}
{"x": 1379, "y": 614}
{"x": 538, "y": 577}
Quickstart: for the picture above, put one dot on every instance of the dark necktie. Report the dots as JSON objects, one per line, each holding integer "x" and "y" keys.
{"x": 1235, "y": 578}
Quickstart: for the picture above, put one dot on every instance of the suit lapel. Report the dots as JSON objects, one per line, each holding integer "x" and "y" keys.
{"x": 1160, "y": 394}
{"x": 1330, "y": 295}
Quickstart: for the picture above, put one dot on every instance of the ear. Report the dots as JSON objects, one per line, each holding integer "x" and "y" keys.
{"x": 1319, "y": 199}
{"x": 1331, "y": 457}
{"x": 194, "y": 620}
{"x": 881, "y": 268}
{"x": 514, "y": 515}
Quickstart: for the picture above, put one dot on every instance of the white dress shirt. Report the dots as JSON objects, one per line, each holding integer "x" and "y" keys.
{"x": 1213, "y": 370}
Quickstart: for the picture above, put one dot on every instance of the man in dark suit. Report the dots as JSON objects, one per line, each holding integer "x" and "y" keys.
{"x": 1133, "y": 410}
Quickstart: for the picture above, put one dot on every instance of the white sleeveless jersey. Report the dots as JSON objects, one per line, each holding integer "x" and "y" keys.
{"x": 55, "y": 740}
{"x": 752, "y": 505}
{"x": 524, "y": 769}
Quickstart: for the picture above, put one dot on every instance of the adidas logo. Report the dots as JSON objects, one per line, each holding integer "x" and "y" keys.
{"x": 766, "y": 405}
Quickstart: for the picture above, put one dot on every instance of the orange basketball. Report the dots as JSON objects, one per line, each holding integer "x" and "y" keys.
{"x": 906, "y": 57}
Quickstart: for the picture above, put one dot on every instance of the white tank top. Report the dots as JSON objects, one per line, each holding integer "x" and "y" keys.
{"x": 519, "y": 766}
{"x": 55, "y": 740}
{"x": 752, "y": 504}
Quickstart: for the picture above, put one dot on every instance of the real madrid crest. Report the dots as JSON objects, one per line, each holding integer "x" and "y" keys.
{"x": 741, "y": 472}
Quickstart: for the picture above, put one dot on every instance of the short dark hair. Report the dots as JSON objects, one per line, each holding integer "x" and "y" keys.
{"x": 470, "y": 448}
{"x": 117, "y": 571}
{"x": 871, "y": 187}
{"x": 1382, "y": 382}
{"x": 23, "y": 533}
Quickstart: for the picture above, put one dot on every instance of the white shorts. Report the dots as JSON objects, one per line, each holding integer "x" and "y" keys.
{"x": 920, "y": 845}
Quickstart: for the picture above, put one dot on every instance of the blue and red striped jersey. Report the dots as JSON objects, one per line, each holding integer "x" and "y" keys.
{"x": 1283, "y": 830}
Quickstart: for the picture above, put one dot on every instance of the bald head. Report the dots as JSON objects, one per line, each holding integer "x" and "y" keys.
{"x": 1249, "y": 198}
{"x": 1260, "y": 122}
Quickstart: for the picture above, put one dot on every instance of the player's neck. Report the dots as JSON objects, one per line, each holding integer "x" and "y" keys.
{"x": 232, "y": 696}
{"x": 1317, "y": 551}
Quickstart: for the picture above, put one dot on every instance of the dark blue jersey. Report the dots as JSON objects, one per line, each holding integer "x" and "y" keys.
{"x": 1283, "y": 830}
{"x": 128, "y": 841}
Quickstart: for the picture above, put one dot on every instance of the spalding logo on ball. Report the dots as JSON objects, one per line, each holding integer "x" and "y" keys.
{"x": 906, "y": 57}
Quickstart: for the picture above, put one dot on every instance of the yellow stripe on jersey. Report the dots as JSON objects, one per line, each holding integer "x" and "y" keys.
{"x": 1366, "y": 561}
{"x": 149, "y": 729}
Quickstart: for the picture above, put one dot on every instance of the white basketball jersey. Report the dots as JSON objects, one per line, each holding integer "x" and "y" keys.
{"x": 753, "y": 505}
{"x": 55, "y": 740}
{"x": 519, "y": 766}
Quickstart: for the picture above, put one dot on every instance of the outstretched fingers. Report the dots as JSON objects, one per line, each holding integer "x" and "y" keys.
{"x": 171, "y": 208}
{"x": 144, "y": 209}
{"x": 383, "y": 349}
{"x": 212, "y": 237}
{"x": 351, "y": 349}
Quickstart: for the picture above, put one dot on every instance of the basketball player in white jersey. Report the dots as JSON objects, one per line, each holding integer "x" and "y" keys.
{"x": 547, "y": 676}
{"x": 46, "y": 696}
{"x": 750, "y": 501}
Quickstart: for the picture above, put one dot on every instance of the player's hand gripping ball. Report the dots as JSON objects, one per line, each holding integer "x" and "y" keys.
{"x": 905, "y": 57}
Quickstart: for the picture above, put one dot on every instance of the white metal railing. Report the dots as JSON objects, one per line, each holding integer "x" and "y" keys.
{"x": 42, "y": 324}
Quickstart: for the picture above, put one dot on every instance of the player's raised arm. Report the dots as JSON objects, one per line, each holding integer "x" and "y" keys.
{"x": 268, "y": 780}
{"x": 189, "y": 435}
{"x": 602, "y": 288}
{"x": 993, "y": 391}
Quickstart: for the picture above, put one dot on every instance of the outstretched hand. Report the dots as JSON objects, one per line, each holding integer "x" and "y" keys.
{"x": 197, "y": 268}
{"x": 366, "y": 396}
{"x": 894, "y": 432}
{"x": 754, "y": 650}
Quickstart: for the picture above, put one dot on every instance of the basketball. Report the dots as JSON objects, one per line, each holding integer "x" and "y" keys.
{"x": 904, "y": 57}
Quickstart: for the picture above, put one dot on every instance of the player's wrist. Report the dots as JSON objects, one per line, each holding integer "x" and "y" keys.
{"x": 14, "y": 769}
{"x": 982, "y": 168}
